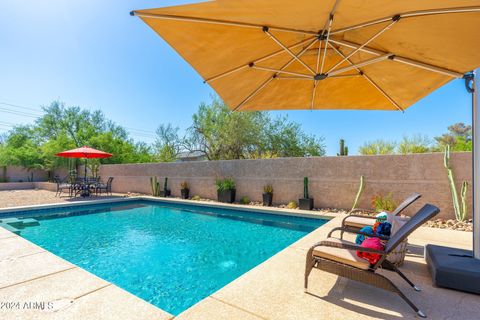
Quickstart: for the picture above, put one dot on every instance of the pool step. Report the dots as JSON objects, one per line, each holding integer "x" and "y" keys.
{"x": 29, "y": 222}
{"x": 19, "y": 223}
{"x": 10, "y": 228}
{"x": 10, "y": 220}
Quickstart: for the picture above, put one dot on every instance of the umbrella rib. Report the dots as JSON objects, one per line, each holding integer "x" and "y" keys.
{"x": 316, "y": 69}
{"x": 294, "y": 78}
{"x": 276, "y": 53}
{"x": 369, "y": 79}
{"x": 328, "y": 22}
{"x": 263, "y": 85}
{"x": 394, "y": 20}
{"x": 306, "y": 76}
{"x": 217, "y": 22}
{"x": 287, "y": 50}
{"x": 254, "y": 93}
{"x": 399, "y": 59}
{"x": 281, "y": 70}
{"x": 411, "y": 14}
{"x": 361, "y": 64}
{"x": 314, "y": 90}
{"x": 327, "y": 36}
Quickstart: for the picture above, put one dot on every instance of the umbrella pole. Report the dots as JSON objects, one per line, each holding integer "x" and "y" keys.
{"x": 476, "y": 163}
{"x": 85, "y": 177}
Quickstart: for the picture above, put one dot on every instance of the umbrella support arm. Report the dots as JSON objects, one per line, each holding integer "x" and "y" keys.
{"x": 368, "y": 79}
{"x": 275, "y": 75}
{"x": 476, "y": 161}
{"x": 276, "y": 53}
{"x": 397, "y": 58}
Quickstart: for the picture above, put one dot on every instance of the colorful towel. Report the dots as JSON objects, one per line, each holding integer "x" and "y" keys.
{"x": 382, "y": 216}
{"x": 384, "y": 229}
{"x": 372, "y": 243}
{"x": 360, "y": 237}
{"x": 375, "y": 226}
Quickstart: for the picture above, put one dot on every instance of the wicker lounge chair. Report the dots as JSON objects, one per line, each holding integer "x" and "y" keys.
{"x": 357, "y": 222}
{"x": 339, "y": 257}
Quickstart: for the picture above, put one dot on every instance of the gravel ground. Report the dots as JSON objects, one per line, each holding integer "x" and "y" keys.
{"x": 14, "y": 198}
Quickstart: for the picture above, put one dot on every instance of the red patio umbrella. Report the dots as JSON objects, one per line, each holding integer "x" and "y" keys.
{"x": 84, "y": 152}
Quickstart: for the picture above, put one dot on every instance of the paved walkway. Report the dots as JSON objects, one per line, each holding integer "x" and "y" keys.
{"x": 272, "y": 290}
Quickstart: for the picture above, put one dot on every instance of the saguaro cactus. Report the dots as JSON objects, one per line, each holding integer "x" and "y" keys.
{"x": 305, "y": 187}
{"x": 165, "y": 186}
{"x": 460, "y": 210}
{"x": 155, "y": 186}
{"x": 359, "y": 193}
{"x": 343, "y": 148}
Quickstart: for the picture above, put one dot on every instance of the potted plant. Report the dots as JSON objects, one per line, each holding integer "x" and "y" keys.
{"x": 267, "y": 195}
{"x": 166, "y": 192}
{"x": 185, "y": 190}
{"x": 225, "y": 190}
{"x": 305, "y": 203}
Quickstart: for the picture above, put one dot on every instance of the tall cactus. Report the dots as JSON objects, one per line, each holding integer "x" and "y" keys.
{"x": 343, "y": 148}
{"x": 359, "y": 193}
{"x": 155, "y": 186}
{"x": 305, "y": 187}
{"x": 460, "y": 211}
{"x": 165, "y": 186}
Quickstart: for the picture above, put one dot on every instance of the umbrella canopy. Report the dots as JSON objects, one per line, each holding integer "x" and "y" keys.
{"x": 330, "y": 54}
{"x": 84, "y": 152}
{"x": 310, "y": 54}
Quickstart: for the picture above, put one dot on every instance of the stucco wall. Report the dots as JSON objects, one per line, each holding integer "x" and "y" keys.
{"x": 50, "y": 186}
{"x": 20, "y": 174}
{"x": 333, "y": 180}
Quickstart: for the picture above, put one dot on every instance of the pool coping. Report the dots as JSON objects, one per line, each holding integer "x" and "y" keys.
{"x": 239, "y": 207}
{"x": 332, "y": 217}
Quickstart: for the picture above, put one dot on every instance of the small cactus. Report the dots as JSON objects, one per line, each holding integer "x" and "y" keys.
{"x": 305, "y": 187}
{"x": 460, "y": 211}
{"x": 343, "y": 148}
{"x": 359, "y": 193}
{"x": 155, "y": 186}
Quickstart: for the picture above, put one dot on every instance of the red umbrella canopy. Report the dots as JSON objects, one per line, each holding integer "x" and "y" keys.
{"x": 84, "y": 152}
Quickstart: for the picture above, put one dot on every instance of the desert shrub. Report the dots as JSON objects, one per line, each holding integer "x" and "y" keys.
{"x": 245, "y": 200}
{"x": 268, "y": 188}
{"x": 383, "y": 203}
{"x": 292, "y": 205}
{"x": 224, "y": 184}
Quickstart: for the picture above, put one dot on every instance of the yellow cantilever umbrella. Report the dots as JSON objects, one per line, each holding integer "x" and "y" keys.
{"x": 311, "y": 54}
{"x": 330, "y": 54}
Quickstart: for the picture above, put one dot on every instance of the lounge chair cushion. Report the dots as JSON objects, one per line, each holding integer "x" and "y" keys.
{"x": 341, "y": 255}
{"x": 359, "y": 222}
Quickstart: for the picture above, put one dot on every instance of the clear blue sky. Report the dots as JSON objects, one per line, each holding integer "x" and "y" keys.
{"x": 95, "y": 55}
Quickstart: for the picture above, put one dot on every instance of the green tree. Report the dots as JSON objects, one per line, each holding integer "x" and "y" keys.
{"x": 458, "y": 137}
{"x": 167, "y": 144}
{"x": 62, "y": 128}
{"x": 414, "y": 144}
{"x": 376, "y": 147}
{"x": 220, "y": 133}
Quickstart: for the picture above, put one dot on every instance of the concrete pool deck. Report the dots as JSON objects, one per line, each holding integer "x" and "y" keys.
{"x": 272, "y": 290}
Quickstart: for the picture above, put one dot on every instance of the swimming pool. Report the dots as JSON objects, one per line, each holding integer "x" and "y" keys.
{"x": 170, "y": 255}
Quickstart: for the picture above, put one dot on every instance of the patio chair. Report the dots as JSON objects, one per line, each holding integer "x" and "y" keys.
{"x": 61, "y": 186}
{"x": 357, "y": 221}
{"x": 339, "y": 257}
{"x": 107, "y": 187}
{"x": 78, "y": 186}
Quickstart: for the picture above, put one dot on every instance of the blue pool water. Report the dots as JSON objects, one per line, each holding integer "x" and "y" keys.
{"x": 169, "y": 255}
